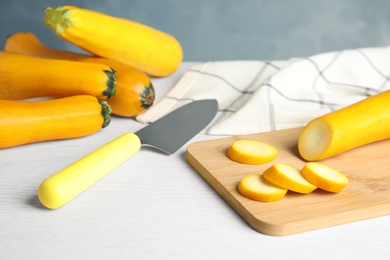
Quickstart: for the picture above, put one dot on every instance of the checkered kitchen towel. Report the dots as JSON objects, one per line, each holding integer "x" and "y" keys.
{"x": 259, "y": 96}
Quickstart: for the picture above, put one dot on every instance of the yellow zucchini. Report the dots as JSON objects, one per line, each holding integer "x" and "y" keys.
{"x": 359, "y": 124}
{"x": 324, "y": 177}
{"x": 288, "y": 177}
{"x": 23, "y": 122}
{"x": 256, "y": 187}
{"x": 24, "y": 77}
{"x": 251, "y": 152}
{"x": 134, "y": 91}
{"x": 145, "y": 48}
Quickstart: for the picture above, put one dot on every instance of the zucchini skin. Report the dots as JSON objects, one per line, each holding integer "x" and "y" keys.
{"x": 24, "y": 122}
{"x": 135, "y": 92}
{"x": 24, "y": 77}
{"x": 152, "y": 51}
{"x": 361, "y": 123}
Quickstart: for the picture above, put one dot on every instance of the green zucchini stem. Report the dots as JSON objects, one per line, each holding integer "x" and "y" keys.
{"x": 111, "y": 83}
{"x": 106, "y": 113}
{"x": 57, "y": 19}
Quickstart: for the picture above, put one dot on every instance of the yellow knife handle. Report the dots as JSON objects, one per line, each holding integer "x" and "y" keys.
{"x": 62, "y": 187}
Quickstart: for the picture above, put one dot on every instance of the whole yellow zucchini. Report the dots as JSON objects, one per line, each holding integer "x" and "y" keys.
{"x": 23, "y": 77}
{"x": 23, "y": 122}
{"x": 361, "y": 123}
{"x": 134, "y": 91}
{"x": 145, "y": 48}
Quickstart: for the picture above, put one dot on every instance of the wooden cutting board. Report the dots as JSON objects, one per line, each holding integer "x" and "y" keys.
{"x": 366, "y": 196}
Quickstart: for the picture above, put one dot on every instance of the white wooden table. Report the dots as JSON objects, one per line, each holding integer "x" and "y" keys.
{"x": 152, "y": 207}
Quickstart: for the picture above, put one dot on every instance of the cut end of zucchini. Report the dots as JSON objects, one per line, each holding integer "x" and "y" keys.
{"x": 57, "y": 19}
{"x": 314, "y": 140}
{"x": 288, "y": 177}
{"x": 251, "y": 152}
{"x": 324, "y": 177}
{"x": 106, "y": 113}
{"x": 111, "y": 83}
{"x": 256, "y": 187}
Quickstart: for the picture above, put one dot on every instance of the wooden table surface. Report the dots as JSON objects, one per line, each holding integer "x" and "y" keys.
{"x": 151, "y": 207}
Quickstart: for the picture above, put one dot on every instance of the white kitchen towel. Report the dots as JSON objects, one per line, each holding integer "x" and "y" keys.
{"x": 258, "y": 96}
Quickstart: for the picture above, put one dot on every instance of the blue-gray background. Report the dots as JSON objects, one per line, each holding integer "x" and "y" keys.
{"x": 229, "y": 29}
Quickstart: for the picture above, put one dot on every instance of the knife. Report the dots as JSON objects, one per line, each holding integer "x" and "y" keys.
{"x": 167, "y": 134}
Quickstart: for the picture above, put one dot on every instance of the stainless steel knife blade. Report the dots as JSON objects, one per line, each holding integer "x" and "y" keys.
{"x": 186, "y": 122}
{"x": 167, "y": 134}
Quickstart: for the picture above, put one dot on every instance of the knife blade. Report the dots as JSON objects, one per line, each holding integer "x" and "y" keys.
{"x": 167, "y": 134}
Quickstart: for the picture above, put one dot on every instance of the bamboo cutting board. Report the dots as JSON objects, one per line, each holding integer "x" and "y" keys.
{"x": 366, "y": 196}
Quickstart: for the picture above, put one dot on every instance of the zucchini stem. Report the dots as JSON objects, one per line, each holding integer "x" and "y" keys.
{"x": 111, "y": 83}
{"x": 57, "y": 19}
{"x": 106, "y": 113}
